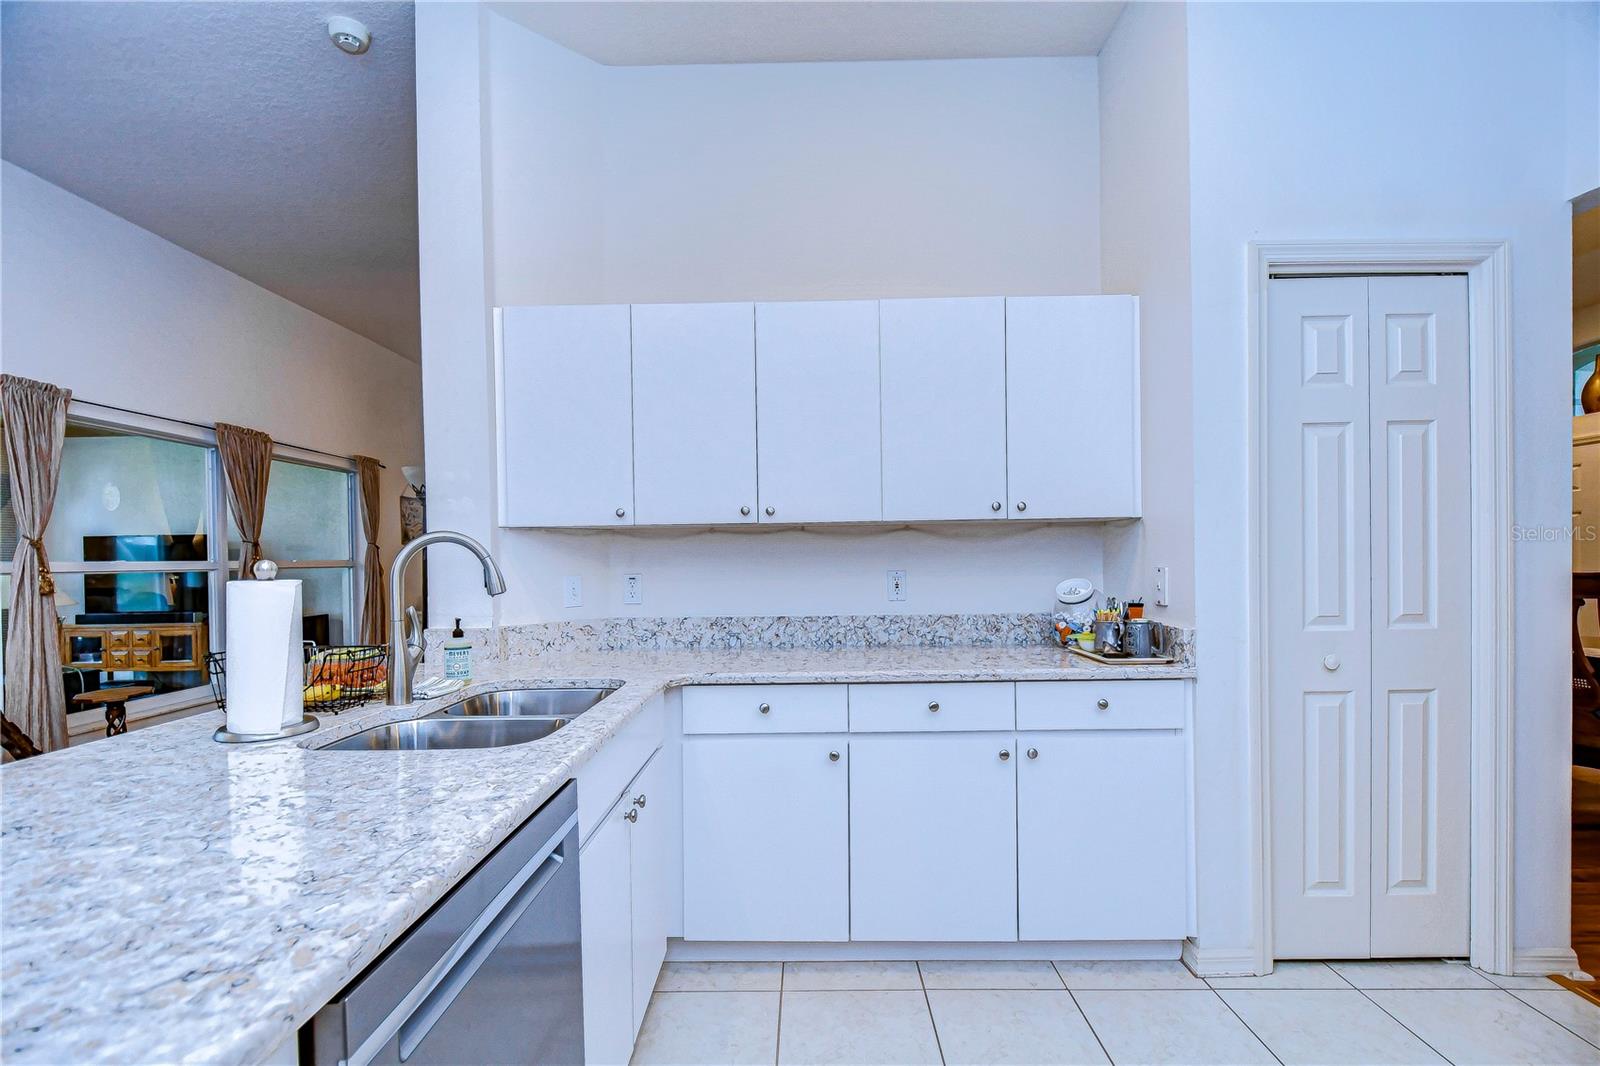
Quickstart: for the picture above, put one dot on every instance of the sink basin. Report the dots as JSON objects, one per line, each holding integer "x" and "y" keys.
{"x": 431, "y": 734}
{"x": 529, "y": 702}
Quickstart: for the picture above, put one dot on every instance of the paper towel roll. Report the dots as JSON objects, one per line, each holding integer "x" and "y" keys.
{"x": 266, "y": 675}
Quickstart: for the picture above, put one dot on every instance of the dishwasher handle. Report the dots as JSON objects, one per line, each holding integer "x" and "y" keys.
{"x": 427, "y": 1001}
{"x": 445, "y": 989}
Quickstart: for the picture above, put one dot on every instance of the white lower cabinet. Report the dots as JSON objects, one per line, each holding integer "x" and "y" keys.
{"x": 933, "y": 837}
{"x": 1102, "y": 839}
{"x": 625, "y": 914}
{"x": 765, "y": 838}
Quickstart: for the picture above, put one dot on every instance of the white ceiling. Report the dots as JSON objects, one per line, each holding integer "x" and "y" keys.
{"x": 632, "y": 33}
{"x": 237, "y": 131}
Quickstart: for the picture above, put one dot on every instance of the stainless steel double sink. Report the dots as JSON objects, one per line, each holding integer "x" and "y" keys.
{"x": 486, "y": 720}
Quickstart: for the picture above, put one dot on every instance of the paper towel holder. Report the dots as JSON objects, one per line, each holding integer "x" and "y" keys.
{"x": 265, "y": 570}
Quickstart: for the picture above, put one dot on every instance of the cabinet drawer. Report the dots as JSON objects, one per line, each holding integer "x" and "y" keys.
{"x": 765, "y": 709}
{"x": 941, "y": 707}
{"x": 1100, "y": 705}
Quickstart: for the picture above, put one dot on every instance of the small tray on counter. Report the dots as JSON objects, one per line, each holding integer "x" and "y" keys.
{"x": 1122, "y": 660}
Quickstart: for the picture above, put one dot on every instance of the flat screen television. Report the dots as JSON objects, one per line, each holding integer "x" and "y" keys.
{"x": 129, "y": 595}
{"x": 145, "y": 548}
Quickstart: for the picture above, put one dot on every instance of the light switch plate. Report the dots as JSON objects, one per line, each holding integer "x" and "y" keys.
{"x": 632, "y": 588}
{"x": 572, "y": 592}
{"x": 1163, "y": 577}
{"x": 897, "y": 586}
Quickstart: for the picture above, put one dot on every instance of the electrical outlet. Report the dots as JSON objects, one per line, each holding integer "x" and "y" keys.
{"x": 572, "y": 592}
{"x": 1163, "y": 579}
{"x": 897, "y": 586}
{"x": 632, "y": 588}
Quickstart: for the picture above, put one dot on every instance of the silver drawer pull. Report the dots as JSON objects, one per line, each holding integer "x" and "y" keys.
{"x": 1103, "y": 703}
{"x": 638, "y": 801}
{"x": 1033, "y": 753}
{"x": 833, "y": 756}
{"x": 1004, "y": 755}
{"x": 632, "y": 816}
{"x": 933, "y": 705}
{"x": 765, "y": 708}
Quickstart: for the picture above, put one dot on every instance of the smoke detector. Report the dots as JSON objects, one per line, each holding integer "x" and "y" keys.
{"x": 348, "y": 35}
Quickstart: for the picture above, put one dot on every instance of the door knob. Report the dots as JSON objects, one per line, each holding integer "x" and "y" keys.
{"x": 621, "y": 512}
{"x": 771, "y": 511}
{"x": 744, "y": 510}
{"x": 833, "y": 756}
{"x": 1033, "y": 753}
{"x": 1330, "y": 662}
{"x": 1004, "y": 755}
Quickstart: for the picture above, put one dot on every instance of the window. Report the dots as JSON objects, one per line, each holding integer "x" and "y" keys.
{"x": 140, "y": 575}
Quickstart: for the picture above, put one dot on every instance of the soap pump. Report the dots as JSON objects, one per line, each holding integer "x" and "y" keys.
{"x": 458, "y": 655}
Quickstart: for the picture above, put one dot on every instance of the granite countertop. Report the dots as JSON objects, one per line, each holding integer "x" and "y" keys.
{"x": 167, "y": 898}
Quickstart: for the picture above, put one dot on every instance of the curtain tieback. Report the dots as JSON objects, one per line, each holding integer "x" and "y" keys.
{"x": 47, "y": 581}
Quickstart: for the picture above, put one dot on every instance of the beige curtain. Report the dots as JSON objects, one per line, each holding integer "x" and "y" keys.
{"x": 374, "y": 606}
{"x": 35, "y": 427}
{"x": 247, "y": 463}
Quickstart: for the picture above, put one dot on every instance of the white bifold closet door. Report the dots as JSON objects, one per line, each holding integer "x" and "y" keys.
{"x": 1367, "y": 467}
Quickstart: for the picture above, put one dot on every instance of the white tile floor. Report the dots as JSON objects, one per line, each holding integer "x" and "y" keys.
{"x": 719, "y": 1014}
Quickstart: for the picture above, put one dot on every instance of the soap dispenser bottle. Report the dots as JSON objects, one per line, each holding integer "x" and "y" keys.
{"x": 458, "y": 655}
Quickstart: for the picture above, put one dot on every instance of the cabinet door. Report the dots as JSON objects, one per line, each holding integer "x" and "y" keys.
{"x": 817, "y": 411}
{"x": 933, "y": 837}
{"x": 651, "y": 836}
{"x": 694, "y": 413}
{"x": 1101, "y": 836}
{"x": 605, "y": 907}
{"x": 765, "y": 838}
{"x": 1072, "y": 375}
{"x": 566, "y": 416}
{"x": 944, "y": 408}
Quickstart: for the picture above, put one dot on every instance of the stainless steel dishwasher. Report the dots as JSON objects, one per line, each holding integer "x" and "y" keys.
{"x": 492, "y": 974}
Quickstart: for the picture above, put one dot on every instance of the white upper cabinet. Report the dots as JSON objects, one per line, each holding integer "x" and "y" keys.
{"x": 1072, "y": 376}
{"x": 943, "y": 373}
{"x": 817, "y": 411}
{"x": 567, "y": 431}
{"x": 694, "y": 413}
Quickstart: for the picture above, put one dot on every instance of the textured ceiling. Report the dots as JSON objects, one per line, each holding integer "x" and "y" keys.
{"x": 630, "y": 33}
{"x": 237, "y": 131}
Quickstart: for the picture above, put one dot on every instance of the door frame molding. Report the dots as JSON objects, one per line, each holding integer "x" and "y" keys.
{"x": 1486, "y": 265}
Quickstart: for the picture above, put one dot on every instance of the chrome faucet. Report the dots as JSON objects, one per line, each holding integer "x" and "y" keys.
{"x": 406, "y": 649}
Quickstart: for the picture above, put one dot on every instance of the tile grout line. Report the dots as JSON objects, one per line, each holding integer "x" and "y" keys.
{"x": 932, "y": 1021}
{"x": 777, "y": 1041}
{"x": 1397, "y": 1021}
{"x": 1229, "y": 1007}
{"x": 1081, "y": 1012}
{"x": 1552, "y": 1017}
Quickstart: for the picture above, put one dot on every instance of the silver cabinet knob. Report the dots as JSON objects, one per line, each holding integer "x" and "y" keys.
{"x": 933, "y": 705}
{"x": 621, "y": 512}
{"x": 1022, "y": 505}
{"x": 638, "y": 801}
{"x": 1102, "y": 703}
{"x": 771, "y": 511}
{"x": 833, "y": 756}
{"x": 1330, "y": 663}
{"x": 632, "y": 816}
{"x": 1004, "y": 755}
{"x": 744, "y": 510}
{"x": 996, "y": 505}
{"x": 1033, "y": 753}
{"x": 765, "y": 708}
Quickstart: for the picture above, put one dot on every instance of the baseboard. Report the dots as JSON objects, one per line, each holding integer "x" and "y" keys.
{"x": 1219, "y": 962}
{"x": 1535, "y": 962}
{"x": 877, "y": 951}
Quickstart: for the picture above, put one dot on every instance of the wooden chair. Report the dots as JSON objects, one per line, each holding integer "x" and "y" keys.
{"x": 15, "y": 742}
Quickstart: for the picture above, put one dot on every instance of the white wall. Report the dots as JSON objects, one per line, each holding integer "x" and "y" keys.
{"x": 93, "y": 303}
{"x": 1426, "y": 121}
{"x": 787, "y": 181}
{"x": 1144, "y": 248}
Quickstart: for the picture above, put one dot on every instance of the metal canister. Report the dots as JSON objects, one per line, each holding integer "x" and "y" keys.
{"x": 1141, "y": 638}
{"x": 1108, "y": 637}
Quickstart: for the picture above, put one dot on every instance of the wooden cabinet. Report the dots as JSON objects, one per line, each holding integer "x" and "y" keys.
{"x": 1071, "y": 374}
{"x": 817, "y": 411}
{"x": 1102, "y": 840}
{"x": 942, "y": 368}
{"x": 694, "y": 413}
{"x": 566, "y": 418}
{"x": 766, "y": 832}
{"x": 933, "y": 837}
{"x": 624, "y": 899}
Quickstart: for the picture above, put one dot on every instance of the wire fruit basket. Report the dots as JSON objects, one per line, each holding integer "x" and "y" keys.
{"x": 336, "y": 679}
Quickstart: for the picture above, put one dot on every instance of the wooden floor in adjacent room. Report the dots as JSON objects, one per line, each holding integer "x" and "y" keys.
{"x": 1586, "y": 868}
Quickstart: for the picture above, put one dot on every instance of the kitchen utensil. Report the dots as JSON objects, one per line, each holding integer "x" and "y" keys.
{"x": 1142, "y": 637}
{"x": 1108, "y": 637}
